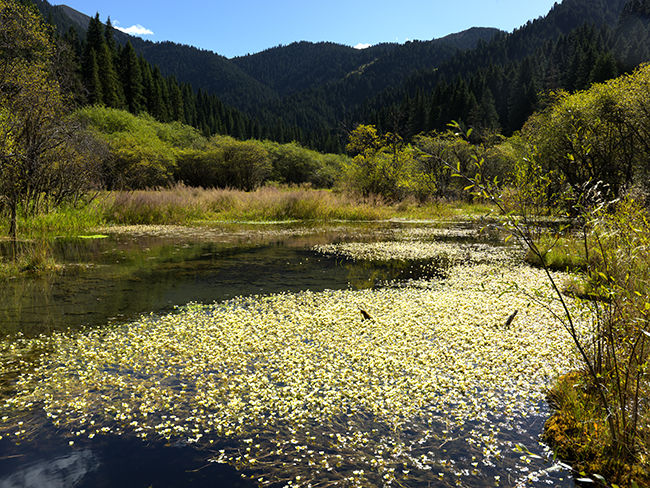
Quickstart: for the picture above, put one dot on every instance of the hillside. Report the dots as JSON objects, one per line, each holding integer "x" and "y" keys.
{"x": 263, "y": 78}
{"x": 479, "y": 76}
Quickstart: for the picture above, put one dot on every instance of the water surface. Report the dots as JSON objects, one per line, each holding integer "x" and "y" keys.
{"x": 118, "y": 278}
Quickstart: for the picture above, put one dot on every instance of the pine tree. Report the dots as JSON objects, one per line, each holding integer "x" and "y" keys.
{"x": 604, "y": 69}
{"x": 109, "y": 36}
{"x": 94, "y": 35}
{"x": 178, "y": 112}
{"x": 132, "y": 80}
{"x": 111, "y": 87}
{"x": 92, "y": 79}
{"x": 524, "y": 95}
{"x": 484, "y": 115}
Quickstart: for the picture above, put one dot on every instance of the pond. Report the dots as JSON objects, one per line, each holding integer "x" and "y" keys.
{"x": 278, "y": 355}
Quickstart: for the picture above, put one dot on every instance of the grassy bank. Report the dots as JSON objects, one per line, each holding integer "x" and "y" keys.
{"x": 601, "y": 412}
{"x": 579, "y": 433}
{"x": 183, "y": 205}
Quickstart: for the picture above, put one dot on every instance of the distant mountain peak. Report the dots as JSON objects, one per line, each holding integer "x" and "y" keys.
{"x": 77, "y": 17}
{"x": 468, "y": 38}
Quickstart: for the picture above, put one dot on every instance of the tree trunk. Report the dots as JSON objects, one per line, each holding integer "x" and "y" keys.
{"x": 13, "y": 228}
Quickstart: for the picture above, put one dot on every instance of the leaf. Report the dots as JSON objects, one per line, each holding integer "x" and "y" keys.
{"x": 508, "y": 238}
{"x": 585, "y": 480}
{"x": 468, "y": 187}
{"x": 646, "y": 332}
{"x": 599, "y": 477}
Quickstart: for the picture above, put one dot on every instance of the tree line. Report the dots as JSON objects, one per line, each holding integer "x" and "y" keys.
{"x": 145, "y": 153}
{"x": 136, "y": 133}
{"x": 490, "y": 89}
{"x": 315, "y": 94}
{"x": 598, "y": 136}
{"x": 112, "y": 74}
{"x": 55, "y": 149}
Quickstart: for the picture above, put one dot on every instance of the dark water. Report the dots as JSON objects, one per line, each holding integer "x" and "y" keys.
{"x": 120, "y": 277}
{"x": 116, "y": 279}
{"x": 114, "y": 462}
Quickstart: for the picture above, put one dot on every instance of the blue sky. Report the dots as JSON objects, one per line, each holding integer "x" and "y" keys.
{"x": 238, "y": 27}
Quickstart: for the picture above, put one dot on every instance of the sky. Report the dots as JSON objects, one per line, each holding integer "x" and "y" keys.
{"x": 239, "y": 27}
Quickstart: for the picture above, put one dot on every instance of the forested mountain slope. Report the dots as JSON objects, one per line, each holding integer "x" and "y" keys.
{"x": 315, "y": 92}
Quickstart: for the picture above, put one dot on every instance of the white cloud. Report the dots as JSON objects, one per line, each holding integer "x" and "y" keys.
{"x": 135, "y": 30}
{"x": 362, "y": 46}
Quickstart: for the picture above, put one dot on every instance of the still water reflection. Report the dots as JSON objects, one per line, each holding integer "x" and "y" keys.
{"x": 118, "y": 278}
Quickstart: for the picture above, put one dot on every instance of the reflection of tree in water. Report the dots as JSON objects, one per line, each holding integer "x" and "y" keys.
{"x": 370, "y": 274}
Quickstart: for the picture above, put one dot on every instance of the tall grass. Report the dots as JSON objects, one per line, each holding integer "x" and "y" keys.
{"x": 28, "y": 258}
{"x": 559, "y": 253}
{"x": 602, "y": 417}
{"x": 182, "y": 205}
{"x": 63, "y": 221}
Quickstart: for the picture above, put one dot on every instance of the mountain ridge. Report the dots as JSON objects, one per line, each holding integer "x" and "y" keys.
{"x": 327, "y": 87}
{"x": 246, "y": 82}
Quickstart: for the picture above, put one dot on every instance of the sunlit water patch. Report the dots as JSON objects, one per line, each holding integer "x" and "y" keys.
{"x": 411, "y": 386}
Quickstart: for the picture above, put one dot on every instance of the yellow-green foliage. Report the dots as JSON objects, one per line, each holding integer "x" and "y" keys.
{"x": 446, "y": 155}
{"x": 560, "y": 252}
{"x": 143, "y": 151}
{"x": 382, "y": 164}
{"x": 45, "y": 158}
{"x": 146, "y": 154}
{"x": 293, "y": 164}
{"x": 596, "y": 135}
{"x": 304, "y": 389}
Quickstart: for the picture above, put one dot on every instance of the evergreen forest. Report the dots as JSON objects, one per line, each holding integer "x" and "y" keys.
{"x": 316, "y": 93}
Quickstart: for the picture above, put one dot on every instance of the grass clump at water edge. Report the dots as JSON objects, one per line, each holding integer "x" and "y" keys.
{"x": 579, "y": 434}
{"x": 183, "y": 205}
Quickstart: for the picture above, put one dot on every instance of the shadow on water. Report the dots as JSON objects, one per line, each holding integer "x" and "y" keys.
{"x": 113, "y": 462}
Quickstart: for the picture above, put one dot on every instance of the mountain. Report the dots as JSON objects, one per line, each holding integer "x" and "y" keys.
{"x": 264, "y": 78}
{"x": 479, "y": 76}
{"x": 304, "y": 65}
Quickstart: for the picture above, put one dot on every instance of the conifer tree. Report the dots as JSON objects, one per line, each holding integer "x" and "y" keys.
{"x": 178, "y": 112}
{"x": 92, "y": 79}
{"x": 132, "y": 81}
{"x": 94, "y": 35}
{"x": 111, "y": 87}
{"x": 109, "y": 36}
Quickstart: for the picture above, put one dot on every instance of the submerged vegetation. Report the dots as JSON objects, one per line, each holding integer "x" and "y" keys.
{"x": 312, "y": 392}
{"x": 347, "y": 387}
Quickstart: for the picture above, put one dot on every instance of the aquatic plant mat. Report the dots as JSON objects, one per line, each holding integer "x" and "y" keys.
{"x": 421, "y": 384}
